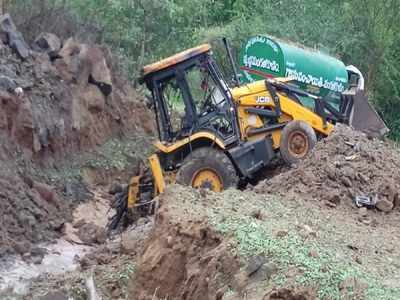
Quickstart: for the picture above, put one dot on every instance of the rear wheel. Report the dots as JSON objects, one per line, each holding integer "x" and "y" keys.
{"x": 208, "y": 168}
{"x": 297, "y": 140}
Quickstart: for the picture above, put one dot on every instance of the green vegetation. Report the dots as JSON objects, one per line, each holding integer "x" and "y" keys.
{"x": 325, "y": 270}
{"x": 117, "y": 154}
{"x": 119, "y": 277}
{"x": 360, "y": 32}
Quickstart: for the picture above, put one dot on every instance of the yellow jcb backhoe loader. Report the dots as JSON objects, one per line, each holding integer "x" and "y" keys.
{"x": 212, "y": 136}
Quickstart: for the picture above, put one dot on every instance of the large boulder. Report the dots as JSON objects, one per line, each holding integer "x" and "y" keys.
{"x": 11, "y": 36}
{"x": 84, "y": 64}
{"x": 49, "y": 43}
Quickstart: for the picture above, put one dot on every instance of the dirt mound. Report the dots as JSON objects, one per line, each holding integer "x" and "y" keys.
{"x": 57, "y": 100}
{"x": 27, "y": 216}
{"x": 341, "y": 168}
{"x": 184, "y": 258}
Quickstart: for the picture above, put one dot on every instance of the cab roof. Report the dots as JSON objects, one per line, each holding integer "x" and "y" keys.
{"x": 175, "y": 59}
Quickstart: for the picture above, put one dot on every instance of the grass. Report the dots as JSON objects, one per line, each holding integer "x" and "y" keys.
{"x": 326, "y": 271}
{"x": 118, "y": 154}
{"x": 117, "y": 276}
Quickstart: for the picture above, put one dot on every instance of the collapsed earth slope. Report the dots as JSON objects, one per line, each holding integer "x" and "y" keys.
{"x": 341, "y": 168}
{"x": 244, "y": 245}
{"x": 57, "y": 100}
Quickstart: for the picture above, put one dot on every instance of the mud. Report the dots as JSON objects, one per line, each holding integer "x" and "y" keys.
{"x": 16, "y": 274}
{"x": 341, "y": 167}
{"x": 184, "y": 258}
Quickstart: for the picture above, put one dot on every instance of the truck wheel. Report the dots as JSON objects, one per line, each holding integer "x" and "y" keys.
{"x": 207, "y": 168}
{"x": 297, "y": 140}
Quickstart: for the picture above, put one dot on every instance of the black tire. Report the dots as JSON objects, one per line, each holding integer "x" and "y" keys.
{"x": 297, "y": 140}
{"x": 208, "y": 158}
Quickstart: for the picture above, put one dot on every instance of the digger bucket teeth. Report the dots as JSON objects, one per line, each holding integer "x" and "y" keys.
{"x": 133, "y": 202}
{"x": 120, "y": 205}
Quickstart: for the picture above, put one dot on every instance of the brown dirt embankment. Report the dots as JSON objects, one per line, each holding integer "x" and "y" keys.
{"x": 184, "y": 258}
{"x": 58, "y": 99}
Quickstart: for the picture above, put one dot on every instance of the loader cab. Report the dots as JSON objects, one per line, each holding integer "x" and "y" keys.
{"x": 190, "y": 95}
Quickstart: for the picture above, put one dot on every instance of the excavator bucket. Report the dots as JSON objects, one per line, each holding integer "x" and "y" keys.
{"x": 136, "y": 198}
{"x": 365, "y": 118}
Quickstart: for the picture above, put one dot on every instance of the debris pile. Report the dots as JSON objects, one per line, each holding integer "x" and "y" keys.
{"x": 346, "y": 167}
{"x": 184, "y": 258}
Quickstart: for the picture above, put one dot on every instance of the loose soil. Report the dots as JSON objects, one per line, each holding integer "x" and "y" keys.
{"x": 341, "y": 167}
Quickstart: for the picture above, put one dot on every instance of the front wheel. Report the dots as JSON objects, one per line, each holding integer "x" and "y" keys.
{"x": 208, "y": 168}
{"x": 297, "y": 140}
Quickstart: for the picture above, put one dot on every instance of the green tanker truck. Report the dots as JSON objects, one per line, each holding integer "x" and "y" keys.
{"x": 312, "y": 71}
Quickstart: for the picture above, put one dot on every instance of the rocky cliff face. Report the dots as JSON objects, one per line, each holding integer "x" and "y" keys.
{"x": 57, "y": 100}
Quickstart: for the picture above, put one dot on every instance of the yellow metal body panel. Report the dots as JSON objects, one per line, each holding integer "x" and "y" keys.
{"x": 202, "y": 134}
{"x": 158, "y": 176}
{"x": 175, "y": 59}
{"x": 256, "y": 95}
{"x": 133, "y": 192}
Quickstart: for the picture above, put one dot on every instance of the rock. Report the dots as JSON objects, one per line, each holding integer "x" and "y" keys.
{"x": 48, "y": 42}
{"x": 14, "y": 37}
{"x": 84, "y": 64}
{"x": 100, "y": 74}
{"x": 384, "y": 205}
{"x": 90, "y": 234}
{"x": 68, "y": 64}
{"x": 87, "y": 233}
{"x": 7, "y": 24}
{"x": 18, "y": 44}
{"x": 254, "y": 264}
